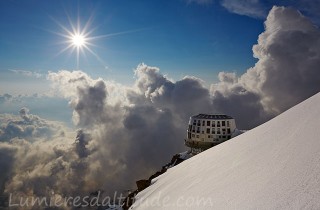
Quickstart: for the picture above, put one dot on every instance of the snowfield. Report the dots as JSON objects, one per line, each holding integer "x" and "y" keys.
{"x": 274, "y": 166}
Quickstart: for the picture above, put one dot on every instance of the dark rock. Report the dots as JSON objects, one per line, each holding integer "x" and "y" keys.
{"x": 143, "y": 184}
{"x": 158, "y": 173}
{"x": 129, "y": 200}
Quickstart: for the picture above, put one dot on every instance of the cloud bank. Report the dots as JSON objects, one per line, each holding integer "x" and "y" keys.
{"x": 27, "y": 126}
{"x": 126, "y": 133}
{"x": 288, "y": 68}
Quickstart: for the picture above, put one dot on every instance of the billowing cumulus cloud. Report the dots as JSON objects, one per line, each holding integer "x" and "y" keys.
{"x": 232, "y": 97}
{"x": 286, "y": 73}
{"x": 31, "y": 151}
{"x": 126, "y": 133}
{"x": 289, "y": 60}
{"x": 27, "y": 126}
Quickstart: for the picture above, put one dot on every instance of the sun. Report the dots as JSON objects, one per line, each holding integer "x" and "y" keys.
{"x": 78, "y": 40}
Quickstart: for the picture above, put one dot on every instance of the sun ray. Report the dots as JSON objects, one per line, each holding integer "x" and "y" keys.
{"x": 116, "y": 34}
{"x": 96, "y": 55}
{"x": 76, "y": 37}
{"x": 79, "y": 38}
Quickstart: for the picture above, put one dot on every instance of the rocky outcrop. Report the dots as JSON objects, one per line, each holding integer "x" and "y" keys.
{"x": 144, "y": 183}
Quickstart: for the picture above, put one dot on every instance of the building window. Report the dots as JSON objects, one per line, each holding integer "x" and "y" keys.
{"x": 213, "y": 131}
{"x": 209, "y": 136}
{"x": 208, "y": 130}
{"x": 218, "y": 131}
{"x": 208, "y": 123}
{"x": 193, "y": 135}
{"x": 213, "y": 124}
{"x": 223, "y": 123}
{"x": 197, "y": 136}
{"x": 223, "y": 131}
{"x": 198, "y": 124}
{"x": 189, "y": 135}
{"x": 218, "y": 124}
{"x": 198, "y": 129}
{"x": 193, "y": 128}
{"x": 228, "y": 131}
{"x": 228, "y": 123}
{"x": 194, "y": 122}
{"x": 203, "y": 122}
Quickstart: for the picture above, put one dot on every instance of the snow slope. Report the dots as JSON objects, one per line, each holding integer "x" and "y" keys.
{"x": 274, "y": 166}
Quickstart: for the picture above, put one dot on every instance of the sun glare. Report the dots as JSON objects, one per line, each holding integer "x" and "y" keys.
{"x": 78, "y": 40}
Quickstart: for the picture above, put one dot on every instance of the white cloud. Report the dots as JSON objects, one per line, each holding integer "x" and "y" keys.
{"x": 31, "y": 151}
{"x": 26, "y": 73}
{"x": 289, "y": 58}
{"x": 49, "y": 107}
{"x": 18, "y": 82}
{"x": 29, "y": 127}
{"x": 285, "y": 74}
{"x": 259, "y": 9}
{"x": 311, "y": 8}
{"x": 251, "y": 8}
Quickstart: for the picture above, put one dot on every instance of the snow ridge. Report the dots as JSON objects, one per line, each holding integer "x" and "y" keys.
{"x": 276, "y": 165}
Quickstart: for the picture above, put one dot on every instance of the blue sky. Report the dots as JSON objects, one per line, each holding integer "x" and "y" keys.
{"x": 180, "y": 37}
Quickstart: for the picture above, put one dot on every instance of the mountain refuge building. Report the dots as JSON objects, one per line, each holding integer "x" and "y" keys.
{"x": 207, "y": 130}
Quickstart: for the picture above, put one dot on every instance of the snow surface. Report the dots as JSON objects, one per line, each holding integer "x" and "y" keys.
{"x": 274, "y": 166}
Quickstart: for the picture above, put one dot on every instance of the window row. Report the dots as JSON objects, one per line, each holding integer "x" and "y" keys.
{"x": 211, "y": 123}
{"x": 211, "y": 136}
{"x": 195, "y": 129}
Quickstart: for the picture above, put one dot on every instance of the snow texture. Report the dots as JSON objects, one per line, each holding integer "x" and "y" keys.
{"x": 274, "y": 166}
